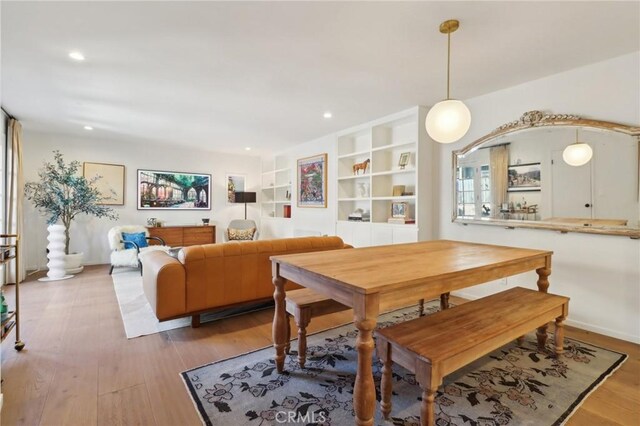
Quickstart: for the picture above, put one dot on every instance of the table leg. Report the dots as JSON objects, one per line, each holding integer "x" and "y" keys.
{"x": 543, "y": 286}
{"x": 279, "y": 318}
{"x": 365, "y": 309}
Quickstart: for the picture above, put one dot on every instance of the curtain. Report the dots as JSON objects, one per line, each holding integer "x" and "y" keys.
{"x": 14, "y": 219}
{"x": 499, "y": 163}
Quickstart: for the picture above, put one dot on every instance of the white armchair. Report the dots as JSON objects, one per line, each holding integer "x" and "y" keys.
{"x": 130, "y": 256}
{"x": 242, "y": 225}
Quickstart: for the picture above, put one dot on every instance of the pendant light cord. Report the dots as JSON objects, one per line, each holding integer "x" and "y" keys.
{"x": 448, "y": 62}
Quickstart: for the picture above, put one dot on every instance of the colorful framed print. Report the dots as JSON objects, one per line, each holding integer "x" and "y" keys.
{"x": 160, "y": 190}
{"x": 312, "y": 181}
{"x": 111, "y": 182}
{"x": 235, "y": 183}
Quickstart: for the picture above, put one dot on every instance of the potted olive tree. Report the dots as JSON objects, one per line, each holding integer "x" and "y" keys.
{"x": 62, "y": 194}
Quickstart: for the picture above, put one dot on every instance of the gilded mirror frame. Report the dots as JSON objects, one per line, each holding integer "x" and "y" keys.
{"x": 529, "y": 120}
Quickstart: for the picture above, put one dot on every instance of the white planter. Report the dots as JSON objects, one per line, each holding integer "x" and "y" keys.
{"x": 56, "y": 254}
{"x": 73, "y": 263}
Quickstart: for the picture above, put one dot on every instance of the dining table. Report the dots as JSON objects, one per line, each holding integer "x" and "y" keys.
{"x": 372, "y": 280}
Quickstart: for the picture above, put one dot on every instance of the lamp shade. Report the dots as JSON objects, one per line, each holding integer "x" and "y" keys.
{"x": 245, "y": 197}
{"x": 577, "y": 154}
{"x": 448, "y": 121}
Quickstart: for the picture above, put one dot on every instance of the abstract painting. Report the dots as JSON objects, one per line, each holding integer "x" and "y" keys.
{"x": 312, "y": 181}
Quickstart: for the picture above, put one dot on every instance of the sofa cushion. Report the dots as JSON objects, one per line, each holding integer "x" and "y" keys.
{"x": 241, "y": 234}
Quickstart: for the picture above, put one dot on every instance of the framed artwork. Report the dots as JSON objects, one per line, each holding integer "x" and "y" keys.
{"x": 524, "y": 177}
{"x": 160, "y": 190}
{"x": 399, "y": 209}
{"x": 111, "y": 184}
{"x": 235, "y": 183}
{"x": 404, "y": 159}
{"x": 312, "y": 181}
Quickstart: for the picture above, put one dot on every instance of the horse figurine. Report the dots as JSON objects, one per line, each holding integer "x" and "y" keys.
{"x": 361, "y": 166}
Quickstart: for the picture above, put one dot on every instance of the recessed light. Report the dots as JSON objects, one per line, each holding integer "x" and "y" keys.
{"x": 327, "y": 114}
{"x": 248, "y": 148}
{"x": 88, "y": 128}
{"x": 76, "y": 56}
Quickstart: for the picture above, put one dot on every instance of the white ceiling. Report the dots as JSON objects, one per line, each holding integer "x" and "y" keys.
{"x": 223, "y": 76}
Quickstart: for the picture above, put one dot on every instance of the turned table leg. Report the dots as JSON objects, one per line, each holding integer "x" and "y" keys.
{"x": 543, "y": 286}
{"x": 386, "y": 384}
{"x": 444, "y": 301}
{"x": 364, "y": 393}
{"x": 279, "y": 318}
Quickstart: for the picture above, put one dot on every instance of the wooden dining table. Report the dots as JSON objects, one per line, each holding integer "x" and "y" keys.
{"x": 374, "y": 279}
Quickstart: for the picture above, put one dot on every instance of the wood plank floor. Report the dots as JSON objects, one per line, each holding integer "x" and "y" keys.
{"x": 78, "y": 368}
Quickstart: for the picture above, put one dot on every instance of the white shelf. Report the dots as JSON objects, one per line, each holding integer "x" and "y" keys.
{"x": 285, "y": 185}
{"x": 399, "y": 197}
{"x": 393, "y": 145}
{"x": 354, "y": 177}
{"x": 393, "y": 172}
{"x": 354, "y": 199}
{"x": 353, "y": 154}
{"x": 283, "y": 201}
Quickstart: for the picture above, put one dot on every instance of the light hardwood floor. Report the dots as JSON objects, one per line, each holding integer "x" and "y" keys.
{"x": 78, "y": 368}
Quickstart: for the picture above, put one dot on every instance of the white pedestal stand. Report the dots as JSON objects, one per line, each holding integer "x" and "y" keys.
{"x": 56, "y": 254}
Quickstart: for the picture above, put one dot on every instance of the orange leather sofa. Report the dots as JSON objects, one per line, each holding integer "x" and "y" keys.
{"x": 213, "y": 276}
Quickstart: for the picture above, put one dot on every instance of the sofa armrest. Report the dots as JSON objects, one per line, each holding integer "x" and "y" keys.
{"x": 346, "y": 246}
{"x": 164, "y": 284}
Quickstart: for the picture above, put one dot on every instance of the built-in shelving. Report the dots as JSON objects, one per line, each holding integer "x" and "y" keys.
{"x": 383, "y": 142}
{"x": 276, "y": 188}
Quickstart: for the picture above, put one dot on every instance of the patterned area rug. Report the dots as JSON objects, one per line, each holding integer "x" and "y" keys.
{"x": 515, "y": 385}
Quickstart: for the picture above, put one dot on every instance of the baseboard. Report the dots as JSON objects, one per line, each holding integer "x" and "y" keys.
{"x": 578, "y": 324}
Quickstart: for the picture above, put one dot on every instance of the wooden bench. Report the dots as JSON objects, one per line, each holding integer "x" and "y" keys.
{"x": 435, "y": 345}
{"x": 304, "y": 303}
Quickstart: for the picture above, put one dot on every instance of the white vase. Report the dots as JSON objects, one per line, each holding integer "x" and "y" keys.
{"x": 56, "y": 254}
{"x": 73, "y": 263}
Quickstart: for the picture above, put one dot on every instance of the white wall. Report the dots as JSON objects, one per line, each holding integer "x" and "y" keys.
{"x": 88, "y": 234}
{"x": 601, "y": 274}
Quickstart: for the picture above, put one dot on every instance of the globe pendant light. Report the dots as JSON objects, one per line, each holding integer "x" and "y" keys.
{"x": 578, "y": 153}
{"x": 448, "y": 120}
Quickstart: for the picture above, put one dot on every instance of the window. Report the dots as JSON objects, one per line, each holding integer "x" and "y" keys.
{"x": 474, "y": 191}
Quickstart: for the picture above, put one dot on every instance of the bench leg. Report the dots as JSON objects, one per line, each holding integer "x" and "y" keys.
{"x": 386, "y": 385}
{"x": 559, "y": 336}
{"x": 302, "y": 317}
{"x": 287, "y": 347}
{"x": 543, "y": 285}
{"x": 421, "y": 307}
{"x": 444, "y": 301}
{"x": 429, "y": 380}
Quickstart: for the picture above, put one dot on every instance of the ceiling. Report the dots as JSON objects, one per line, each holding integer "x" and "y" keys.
{"x": 224, "y": 76}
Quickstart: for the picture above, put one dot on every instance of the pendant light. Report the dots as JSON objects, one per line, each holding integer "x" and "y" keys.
{"x": 448, "y": 120}
{"x": 578, "y": 153}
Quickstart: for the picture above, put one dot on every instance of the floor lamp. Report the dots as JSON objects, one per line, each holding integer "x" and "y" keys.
{"x": 245, "y": 197}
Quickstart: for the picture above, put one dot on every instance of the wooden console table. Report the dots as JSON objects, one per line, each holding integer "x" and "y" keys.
{"x": 372, "y": 279}
{"x": 182, "y": 236}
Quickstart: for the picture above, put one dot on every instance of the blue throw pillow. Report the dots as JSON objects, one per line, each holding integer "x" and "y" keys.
{"x": 139, "y": 238}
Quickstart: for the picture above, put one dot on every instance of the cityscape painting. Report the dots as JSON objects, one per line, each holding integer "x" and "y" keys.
{"x": 173, "y": 190}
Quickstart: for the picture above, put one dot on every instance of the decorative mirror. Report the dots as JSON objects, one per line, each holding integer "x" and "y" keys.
{"x": 526, "y": 174}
